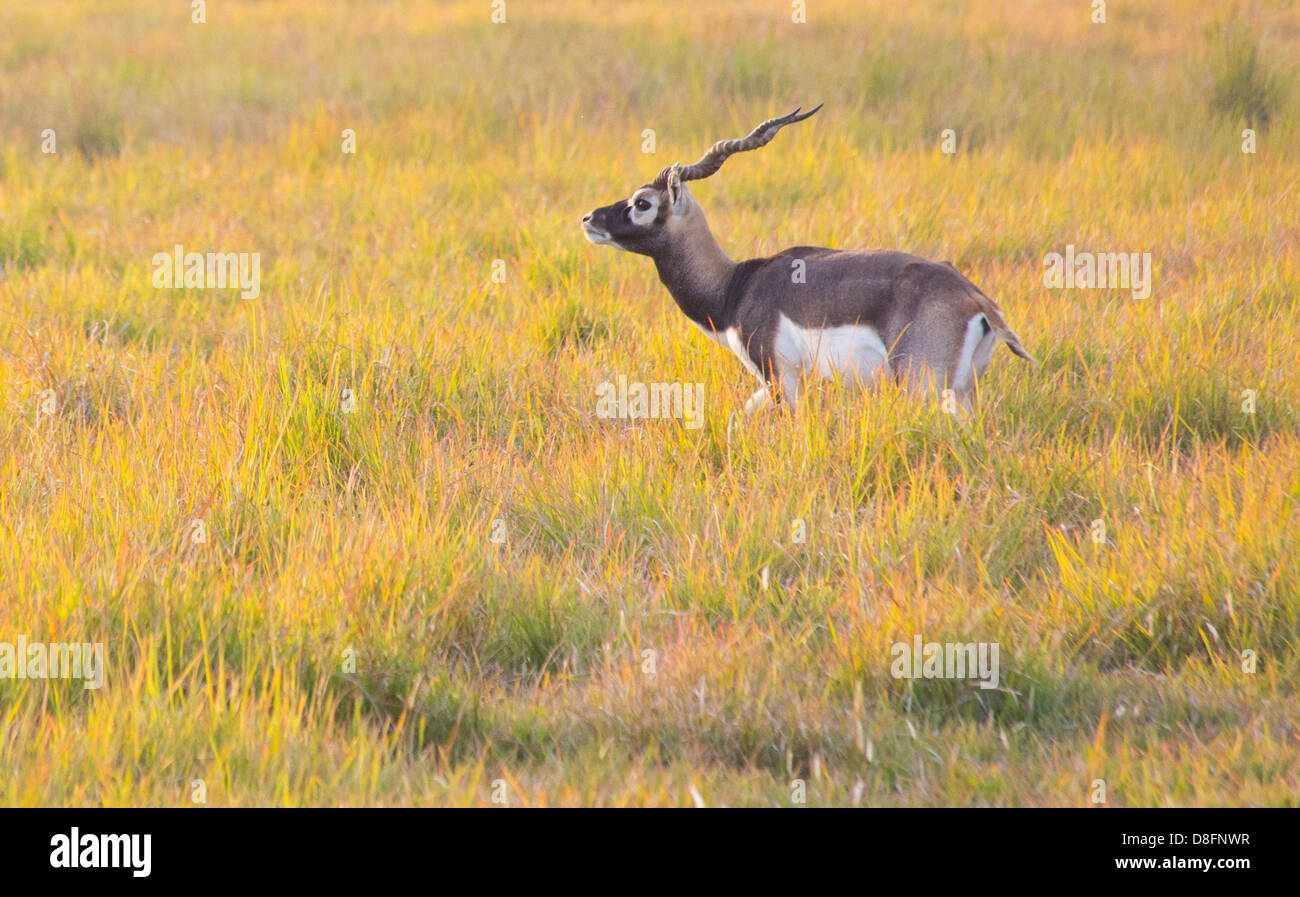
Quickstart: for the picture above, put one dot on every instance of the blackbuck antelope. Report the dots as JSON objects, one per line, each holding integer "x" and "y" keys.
{"x": 862, "y": 314}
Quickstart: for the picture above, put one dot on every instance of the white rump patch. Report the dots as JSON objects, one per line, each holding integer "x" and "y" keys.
{"x": 984, "y": 353}
{"x": 976, "y": 350}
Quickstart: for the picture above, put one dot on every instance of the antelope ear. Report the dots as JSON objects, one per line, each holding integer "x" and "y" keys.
{"x": 676, "y": 192}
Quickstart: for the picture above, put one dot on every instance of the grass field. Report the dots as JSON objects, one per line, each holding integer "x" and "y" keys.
{"x": 470, "y": 586}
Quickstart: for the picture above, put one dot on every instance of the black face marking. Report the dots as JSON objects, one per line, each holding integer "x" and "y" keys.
{"x": 616, "y": 220}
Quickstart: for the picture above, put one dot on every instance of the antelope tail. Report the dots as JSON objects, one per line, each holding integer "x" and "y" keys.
{"x": 1008, "y": 336}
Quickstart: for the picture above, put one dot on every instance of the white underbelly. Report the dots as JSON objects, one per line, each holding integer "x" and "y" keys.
{"x": 854, "y": 351}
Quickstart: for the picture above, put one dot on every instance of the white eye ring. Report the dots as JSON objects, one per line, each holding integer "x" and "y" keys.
{"x": 642, "y": 210}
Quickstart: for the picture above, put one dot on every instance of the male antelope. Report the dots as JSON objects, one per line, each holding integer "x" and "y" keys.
{"x": 807, "y": 309}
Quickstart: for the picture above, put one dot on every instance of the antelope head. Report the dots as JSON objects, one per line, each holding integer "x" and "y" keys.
{"x": 656, "y": 214}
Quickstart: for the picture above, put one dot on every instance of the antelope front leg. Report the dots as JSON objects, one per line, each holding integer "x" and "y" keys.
{"x": 782, "y": 393}
{"x": 758, "y": 401}
{"x": 958, "y": 403}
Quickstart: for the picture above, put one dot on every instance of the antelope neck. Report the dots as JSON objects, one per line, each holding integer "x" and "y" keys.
{"x": 698, "y": 273}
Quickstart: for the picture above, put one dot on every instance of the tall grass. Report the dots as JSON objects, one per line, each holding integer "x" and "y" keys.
{"x": 355, "y": 631}
{"x": 1246, "y": 88}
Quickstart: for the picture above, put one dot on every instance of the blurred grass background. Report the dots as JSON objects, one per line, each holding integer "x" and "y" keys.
{"x": 366, "y": 536}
